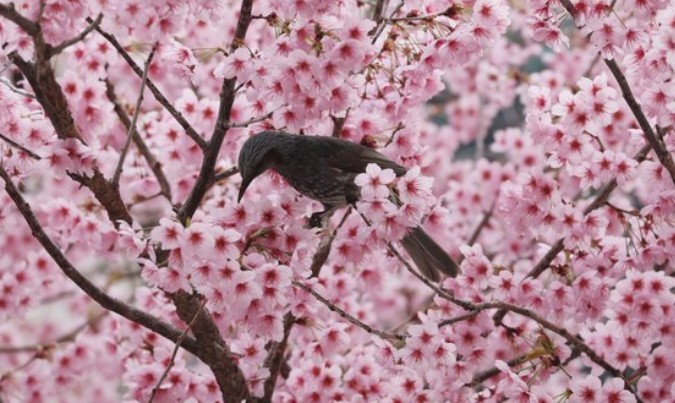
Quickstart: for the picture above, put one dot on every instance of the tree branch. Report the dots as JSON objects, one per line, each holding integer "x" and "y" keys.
{"x": 599, "y": 200}
{"x": 132, "y": 125}
{"x": 379, "y": 28}
{"x": 249, "y": 122}
{"x": 14, "y": 89}
{"x": 72, "y": 41}
{"x": 573, "y": 340}
{"x": 557, "y": 247}
{"x": 9, "y": 12}
{"x": 212, "y": 349}
{"x": 494, "y": 371}
{"x": 225, "y": 174}
{"x": 505, "y": 307}
{"x": 227, "y": 95}
{"x": 348, "y": 317}
{"x": 154, "y": 165}
{"x": 459, "y": 318}
{"x": 42, "y": 80}
{"x": 106, "y": 301}
{"x": 189, "y": 130}
{"x": 483, "y": 222}
{"x": 277, "y": 350}
{"x": 19, "y": 147}
{"x": 70, "y": 336}
{"x": 275, "y": 358}
{"x": 657, "y": 144}
{"x": 172, "y": 360}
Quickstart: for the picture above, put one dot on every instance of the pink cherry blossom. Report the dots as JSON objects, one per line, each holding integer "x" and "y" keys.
{"x": 537, "y": 140}
{"x": 374, "y": 182}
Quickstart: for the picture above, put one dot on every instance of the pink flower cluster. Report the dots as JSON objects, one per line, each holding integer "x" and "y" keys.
{"x": 527, "y": 159}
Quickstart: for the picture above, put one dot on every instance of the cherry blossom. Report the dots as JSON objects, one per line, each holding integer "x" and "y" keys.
{"x": 537, "y": 140}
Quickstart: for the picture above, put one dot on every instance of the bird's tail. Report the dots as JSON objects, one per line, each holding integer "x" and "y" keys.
{"x": 428, "y": 256}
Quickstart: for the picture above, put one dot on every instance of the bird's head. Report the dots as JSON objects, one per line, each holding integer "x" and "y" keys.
{"x": 257, "y": 155}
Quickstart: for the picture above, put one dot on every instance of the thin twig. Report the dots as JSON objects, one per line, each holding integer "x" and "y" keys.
{"x": 249, "y": 122}
{"x": 173, "y": 355}
{"x": 72, "y": 41}
{"x": 383, "y": 23}
{"x": 70, "y": 336}
{"x": 599, "y": 201}
{"x": 570, "y": 338}
{"x": 438, "y": 290}
{"x": 557, "y": 247}
{"x": 483, "y": 222}
{"x": 338, "y": 124}
{"x": 132, "y": 125}
{"x": 155, "y": 166}
{"x": 485, "y": 375}
{"x": 19, "y": 147}
{"x": 658, "y": 146}
{"x": 189, "y": 130}
{"x": 16, "y": 90}
{"x": 459, "y": 318}
{"x": 225, "y": 174}
{"x": 348, "y": 317}
{"x": 145, "y": 199}
{"x": 400, "y": 126}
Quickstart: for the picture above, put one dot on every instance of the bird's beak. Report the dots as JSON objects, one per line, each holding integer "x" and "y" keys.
{"x": 242, "y": 189}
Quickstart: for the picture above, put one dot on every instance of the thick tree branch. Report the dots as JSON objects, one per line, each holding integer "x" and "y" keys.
{"x": 228, "y": 375}
{"x": 378, "y": 12}
{"x": 9, "y": 12}
{"x": 189, "y": 130}
{"x": 227, "y": 95}
{"x": 40, "y": 76}
{"x": 106, "y": 301}
{"x": 212, "y": 349}
{"x": 275, "y": 358}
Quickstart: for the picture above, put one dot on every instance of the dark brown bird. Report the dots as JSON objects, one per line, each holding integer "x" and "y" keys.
{"x": 324, "y": 169}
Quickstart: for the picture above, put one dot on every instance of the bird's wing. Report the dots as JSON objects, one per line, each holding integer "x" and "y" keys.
{"x": 351, "y": 157}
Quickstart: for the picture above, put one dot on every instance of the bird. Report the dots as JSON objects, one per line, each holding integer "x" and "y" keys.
{"x": 323, "y": 169}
